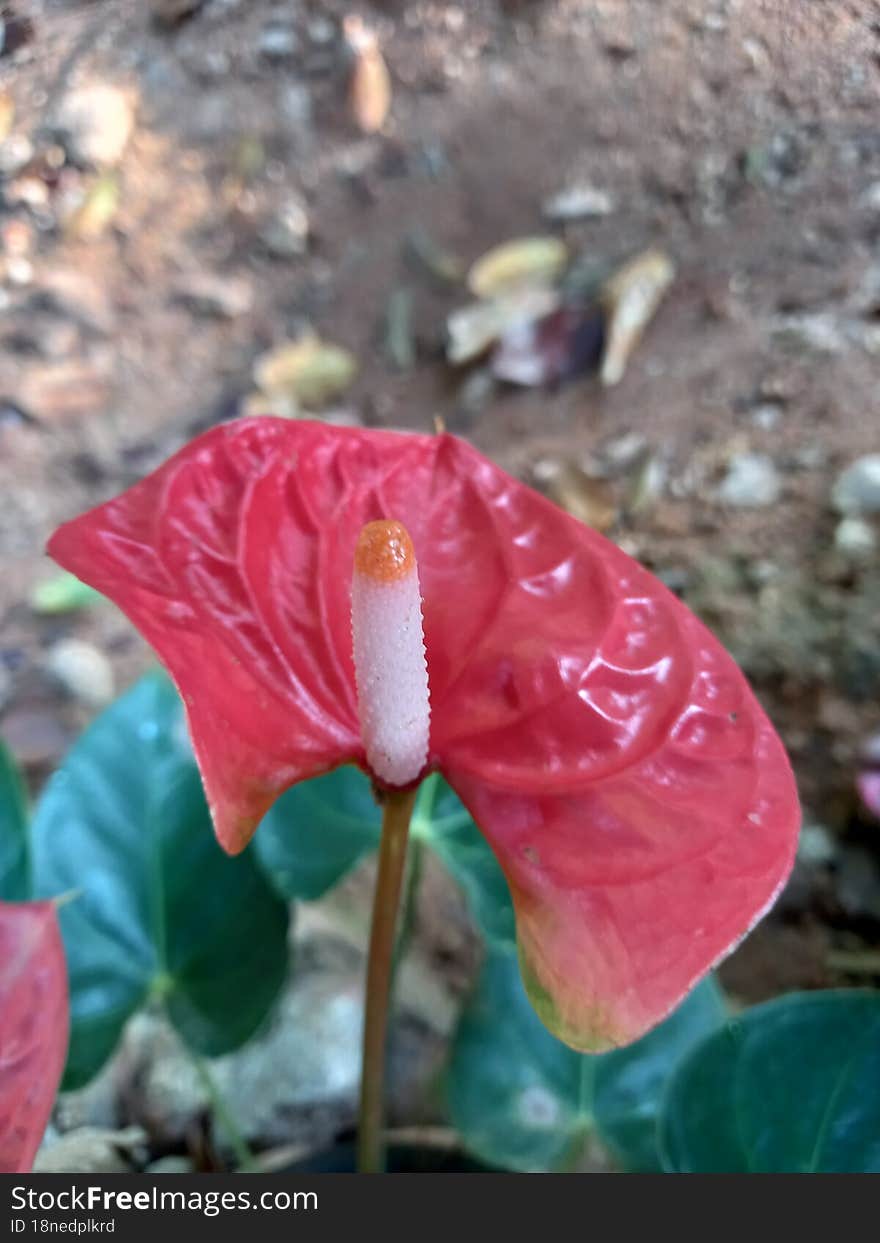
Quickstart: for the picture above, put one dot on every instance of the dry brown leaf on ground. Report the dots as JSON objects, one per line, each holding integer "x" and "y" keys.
{"x": 370, "y": 89}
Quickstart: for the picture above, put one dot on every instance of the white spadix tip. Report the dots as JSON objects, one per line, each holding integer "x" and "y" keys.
{"x": 389, "y": 653}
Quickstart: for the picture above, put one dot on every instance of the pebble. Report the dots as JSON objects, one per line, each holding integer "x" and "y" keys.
{"x": 855, "y": 538}
{"x": 321, "y": 31}
{"x": 816, "y": 845}
{"x": 35, "y": 736}
{"x": 218, "y": 297}
{"x": 93, "y": 1151}
{"x": 857, "y": 490}
{"x": 61, "y": 390}
{"x": 766, "y": 416}
{"x": 752, "y": 481}
{"x": 15, "y": 154}
{"x": 278, "y": 41}
{"x": 286, "y": 235}
{"x": 870, "y": 198}
{"x": 96, "y": 121}
{"x": 578, "y": 202}
{"x": 83, "y": 671}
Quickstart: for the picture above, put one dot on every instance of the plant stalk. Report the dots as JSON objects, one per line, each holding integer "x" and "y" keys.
{"x": 396, "y": 813}
{"x": 222, "y": 1113}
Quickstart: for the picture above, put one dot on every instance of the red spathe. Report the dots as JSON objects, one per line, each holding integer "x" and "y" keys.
{"x": 34, "y": 1027}
{"x": 637, "y": 798}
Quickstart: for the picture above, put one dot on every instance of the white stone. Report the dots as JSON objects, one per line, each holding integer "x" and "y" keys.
{"x": 857, "y": 490}
{"x": 97, "y": 121}
{"x": 83, "y": 671}
{"x": 855, "y": 538}
{"x": 751, "y": 481}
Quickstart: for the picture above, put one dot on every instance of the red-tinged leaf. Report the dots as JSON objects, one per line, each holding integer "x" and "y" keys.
{"x": 637, "y": 798}
{"x": 33, "y": 1027}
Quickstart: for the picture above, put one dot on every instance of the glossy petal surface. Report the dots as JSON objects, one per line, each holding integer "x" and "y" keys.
{"x": 638, "y": 800}
{"x": 33, "y": 1027}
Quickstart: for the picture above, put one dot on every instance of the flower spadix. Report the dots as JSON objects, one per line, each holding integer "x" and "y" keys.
{"x": 389, "y": 653}
{"x": 635, "y": 794}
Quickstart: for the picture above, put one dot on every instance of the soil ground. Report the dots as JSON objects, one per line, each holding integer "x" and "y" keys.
{"x": 740, "y": 136}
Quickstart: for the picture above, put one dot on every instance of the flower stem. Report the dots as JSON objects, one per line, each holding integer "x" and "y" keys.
{"x": 221, "y": 1112}
{"x": 396, "y": 814}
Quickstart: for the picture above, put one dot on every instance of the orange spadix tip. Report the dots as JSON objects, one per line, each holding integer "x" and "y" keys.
{"x": 384, "y": 552}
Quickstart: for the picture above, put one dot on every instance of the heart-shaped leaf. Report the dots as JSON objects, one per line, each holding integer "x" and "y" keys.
{"x": 444, "y": 824}
{"x": 33, "y": 1027}
{"x": 14, "y": 850}
{"x": 790, "y": 1087}
{"x": 161, "y": 910}
{"x": 319, "y": 829}
{"x": 523, "y": 1100}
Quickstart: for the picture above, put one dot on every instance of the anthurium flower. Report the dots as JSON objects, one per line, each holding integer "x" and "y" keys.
{"x": 635, "y": 794}
{"x": 34, "y": 1026}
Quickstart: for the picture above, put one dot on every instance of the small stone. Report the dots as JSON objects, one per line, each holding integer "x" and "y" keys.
{"x": 278, "y": 41}
{"x": 818, "y": 331}
{"x": 171, "y": 1165}
{"x": 476, "y": 392}
{"x": 578, "y": 202}
{"x": 83, "y": 671}
{"x": 286, "y": 235}
{"x": 767, "y": 416}
{"x": 855, "y": 538}
{"x": 816, "y": 845}
{"x": 93, "y": 1151}
{"x": 58, "y": 391}
{"x": 752, "y": 481}
{"x": 858, "y": 882}
{"x": 15, "y": 154}
{"x": 96, "y": 122}
{"x": 170, "y": 13}
{"x": 870, "y": 198}
{"x": 19, "y": 271}
{"x": 18, "y": 237}
{"x": 321, "y": 31}
{"x": 35, "y": 736}
{"x": 295, "y": 105}
{"x": 857, "y": 490}
{"x": 218, "y": 297}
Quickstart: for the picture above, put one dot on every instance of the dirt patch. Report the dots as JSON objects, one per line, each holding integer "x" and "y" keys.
{"x": 740, "y": 138}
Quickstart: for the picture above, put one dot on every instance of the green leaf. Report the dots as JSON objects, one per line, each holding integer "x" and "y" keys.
{"x": 318, "y": 830}
{"x": 629, "y": 1082}
{"x": 161, "y": 911}
{"x": 14, "y": 851}
{"x": 790, "y": 1087}
{"x": 441, "y": 822}
{"x": 64, "y": 593}
{"x": 523, "y": 1100}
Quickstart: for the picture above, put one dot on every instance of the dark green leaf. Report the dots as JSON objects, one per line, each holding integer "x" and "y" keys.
{"x": 629, "y": 1082}
{"x": 523, "y": 1100}
{"x": 319, "y": 829}
{"x": 161, "y": 911}
{"x": 14, "y": 861}
{"x": 440, "y": 820}
{"x": 790, "y": 1087}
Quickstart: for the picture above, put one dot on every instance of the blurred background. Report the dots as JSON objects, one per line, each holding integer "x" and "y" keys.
{"x": 220, "y": 207}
